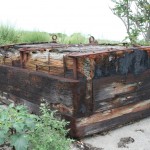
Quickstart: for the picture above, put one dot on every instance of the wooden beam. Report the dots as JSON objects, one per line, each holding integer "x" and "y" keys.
{"x": 101, "y": 122}
{"x": 75, "y": 75}
{"x": 64, "y": 65}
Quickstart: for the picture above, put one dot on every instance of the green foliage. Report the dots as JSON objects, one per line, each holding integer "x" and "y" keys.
{"x": 34, "y": 36}
{"x": 23, "y": 130}
{"x": 15, "y": 123}
{"x": 105, "y": 41}
{"x": 133, "y": 35}
{"x": 144, "y": 43}
{"x": 135, "y": 14}
{"x": 50, "y": 133}
{"x": 8, "y": 34}
{"x": 77, "y": 38}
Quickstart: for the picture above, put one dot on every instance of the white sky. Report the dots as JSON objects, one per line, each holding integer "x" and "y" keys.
{"x": 66, "y": 16}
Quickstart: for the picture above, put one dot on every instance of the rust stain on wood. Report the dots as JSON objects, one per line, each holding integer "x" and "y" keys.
{"x": 94, "y": 87}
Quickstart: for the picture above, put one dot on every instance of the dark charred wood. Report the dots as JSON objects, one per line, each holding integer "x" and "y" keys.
{"x": 117, "y": 117}
{"x": 94, "y": 87}
{"x": 110, "y": 124}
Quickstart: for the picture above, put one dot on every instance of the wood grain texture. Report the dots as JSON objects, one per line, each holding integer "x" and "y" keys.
{"x": 35, "y": 86}
{"x": 105, "y": 121}
{"x": 94, "y": 87}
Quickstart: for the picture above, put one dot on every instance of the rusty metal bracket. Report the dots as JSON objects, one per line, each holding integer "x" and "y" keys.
{"x": 91, "y": 39}
{"x": 54, "y": 38}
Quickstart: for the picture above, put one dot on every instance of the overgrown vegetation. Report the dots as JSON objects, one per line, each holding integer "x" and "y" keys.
{"x": 11, "y": 35}
{"x": 8, "y": 35}
{"x": 75, "y": 38}
{"x": 21, "y": 130}
{"x": 34, "y": 36}
{"x": 49, "y": 132}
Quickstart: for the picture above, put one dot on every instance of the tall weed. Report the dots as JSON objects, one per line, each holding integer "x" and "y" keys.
{"x": 34, "y": 36}
{"x": 8, "y": 34}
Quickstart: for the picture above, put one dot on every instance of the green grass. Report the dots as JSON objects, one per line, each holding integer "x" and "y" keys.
{"x": 10, "y": 35}
{"x": 144, "y": 43}
{"x": 34, "y": 36}
{"x": 75, "y": 38}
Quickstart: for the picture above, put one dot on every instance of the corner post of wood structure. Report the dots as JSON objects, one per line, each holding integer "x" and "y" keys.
{"x": 37, "y": 67}
{"x": 64, "y": 65}
{"x": 75, "y": 75}
{"x": 21, "y": 58}
{"x": 49, "y": 57}
{"x": 25, "y": 57}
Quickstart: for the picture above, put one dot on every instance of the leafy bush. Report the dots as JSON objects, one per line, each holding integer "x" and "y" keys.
{"x": 50, "y": 133}
{"x": 15, "y": 125}
{"x": 22, "y": 130}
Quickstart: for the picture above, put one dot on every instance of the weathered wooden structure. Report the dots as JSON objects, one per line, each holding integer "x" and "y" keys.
{"x": 95, "y": 87}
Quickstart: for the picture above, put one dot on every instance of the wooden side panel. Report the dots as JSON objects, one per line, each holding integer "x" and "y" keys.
{"x": 105, "y": 121}
{"x": 8, "y": 57}
{"x": 116, "y": 91}
{"x": 35, "y": 86}
{"x": 51, "y": 63}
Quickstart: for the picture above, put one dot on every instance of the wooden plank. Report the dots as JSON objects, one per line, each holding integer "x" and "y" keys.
{"x": 101, "y": 122}
{"x": 35, "y": 86}
{"x": 112, "y": 88}
{"x": 64, "y": 65}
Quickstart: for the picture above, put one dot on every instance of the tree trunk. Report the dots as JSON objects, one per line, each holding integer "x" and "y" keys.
{"x": 128, "y": 23}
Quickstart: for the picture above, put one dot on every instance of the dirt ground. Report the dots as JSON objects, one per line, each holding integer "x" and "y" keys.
{"x": 134, "y": 136}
